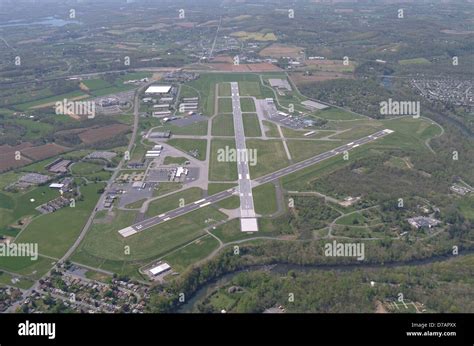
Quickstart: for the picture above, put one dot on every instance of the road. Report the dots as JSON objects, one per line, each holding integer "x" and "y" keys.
{"x": 156, "y": 220}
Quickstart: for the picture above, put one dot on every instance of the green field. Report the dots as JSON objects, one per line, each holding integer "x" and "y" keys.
{"x": 188, "y": 145}
{"x": 415, "y": 61}
{"x": 225, "y": 105}
{"x": 171, "y": 160}
{"x": 224, "y": 89}
{"x": 229, "y": 203}
{"x": 214, "y": 188}
{"x": 251, "y": 125}
{"x": 26, "y": 267}
{"x": 86, "y": 168}
{"x": 95, "y": 84}
{"x": 265, "y": 199}
{"x": 223, "y": 125}
{"x": 103, "y": 246}
{"x": 168, "y": 203}
{"x": 49, "y": 230}
{"x": 271, "y": 156}
{"x": 222, "y": 171}
{"x": 192, "y": 253}
{"x": 196, "y": 129}
{"x": 301, "y": 150}
{"x": 247, "y": 105}
{"x": 337, "y": 114}
{"x": 271, "y": 129}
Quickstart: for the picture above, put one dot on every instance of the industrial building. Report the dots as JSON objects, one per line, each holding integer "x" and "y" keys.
{"x": 281, "y": 84}
{"x": 158, "y": 89}
{"x": 313, "y": 106}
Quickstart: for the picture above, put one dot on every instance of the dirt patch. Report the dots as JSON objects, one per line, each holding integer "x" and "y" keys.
{"x": 277, "y": 50}
{"x": 260, "y": 67}
{"x": 299, "y": 78}
{"x": 44, "y": 151}
{"x": 99, "y": 134}
{"x": 379, "y": 308}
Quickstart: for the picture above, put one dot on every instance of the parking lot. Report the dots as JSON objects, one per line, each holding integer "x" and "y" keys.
{"x": 291, "y": 121}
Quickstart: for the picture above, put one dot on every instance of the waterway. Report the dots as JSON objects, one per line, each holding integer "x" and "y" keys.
{"x": 283, "y": 268}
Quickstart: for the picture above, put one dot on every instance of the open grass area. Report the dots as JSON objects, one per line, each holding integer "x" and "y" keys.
{"x": 271, "y": 156}
{"x": 187, "y": 256}
{"x": 174, "y": 201}
{"x": 165, "y": 188}
{"x": 229, "y": 203}
{"x": 337, "y": 114}
{"x": 301, "y": 150}
{"x": 190, "y": 145}
{"x": 265, "y": 199}
{"x": 225, "y": 105}
{"x": 214, "y": 188}
{"x": 414, "y": 61}
{"x": 86, "y": 168}
{"x": 251, "y": 125}
{"x": 56, "y": 232}
{"x": 222, "y": 170}
{"x": 271, "y": 130}
{"x": 247, "y": 88}
{"x": 23, "y": 283}
{"x": 172, "y": 160}
{"x": 196, "y": 129}
{"x": 25, "y": 266}
{"x": 103, "y": 246}
{"x": 224, "y": 89}
{"x": 247, "y": 104}
{"x": 223, "y": 125}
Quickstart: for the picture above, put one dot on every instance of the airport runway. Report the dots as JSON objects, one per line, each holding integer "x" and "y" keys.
{"x": 245, "y": 184}
{"x": 153, "y": 221}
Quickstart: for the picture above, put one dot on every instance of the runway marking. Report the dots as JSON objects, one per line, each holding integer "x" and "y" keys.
{"x": 204, "y": 205}
{"x": 200, "y": 201}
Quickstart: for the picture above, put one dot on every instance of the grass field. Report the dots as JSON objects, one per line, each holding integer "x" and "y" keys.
{"x": 301, "y": 150}
{"x": 223, "y": 125}
{"x": 229, "y": 203}
{"x": 264, "y": 197}
{"x": 247, "y": 105}
{"x": 85, "y": 168}
{"x": 224, "y": 89}
{"x": 187, "y": 145}
{"x": 222, "y": 171}
{"x": 337, "y": 114}
{"x": 225, "y": 105}
{"x": 168, "y": 203}
{"x": 103, "y": 247}
{"x": 56, "y": 232}
{"x": 214, "y": 188}
{"x": 196, "y": 129}
{"x": 25, "y": 266}
{"x": 251, "y": 125}
{"x": 271, "y": 129}
{"x": 171, "y": 160}
{"x": 271, "y": 156}
{"x": 192, "y": 253}
{"x": 415, "y": 61}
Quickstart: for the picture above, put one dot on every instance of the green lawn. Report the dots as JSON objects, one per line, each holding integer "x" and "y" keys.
{"x": 214, "y": 188}
{"x": 222, "y": 170}
{"x": 86, "y": 168}
{"x": 103, "y": 246}
{"x": 224, "y": 89}
{"x": 225, "y": 105}
{"x": 95, "y": 84}
{"x": 337, "y": 114}
{"x": 247, "y": 105}
{"x": 196, "y": 129}
{"x": 188, "y": 145}
{"x": 271, "y": 156}
{"x": 271, "y": 129}
{"x": 168, "y": 203}
{"x": 264, "y": 197}
{"x": 251, "y": 125}
{"x": 301, "y": 150}
{"x": 56, "y": 232}
{"x": 223, "y": 125}
{"x": 197, "y": 250}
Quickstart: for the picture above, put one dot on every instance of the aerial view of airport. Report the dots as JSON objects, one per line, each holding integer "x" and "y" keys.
{"x": 218, "y": 156}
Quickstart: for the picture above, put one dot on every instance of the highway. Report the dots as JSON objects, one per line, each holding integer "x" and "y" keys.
{"x": 156, "y": 220}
